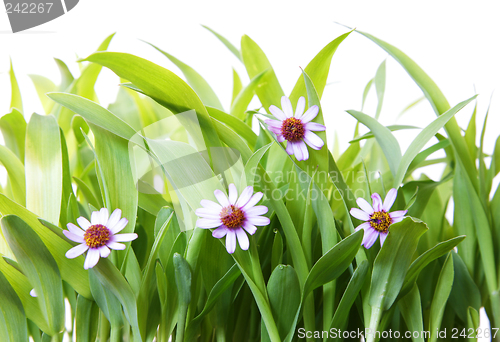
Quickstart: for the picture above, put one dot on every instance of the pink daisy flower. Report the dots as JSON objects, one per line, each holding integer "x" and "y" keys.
{"x": 97, "y": 236}
{"x": 296, "y": 129}
{"x": 378, "y": 219}
{"x": 233, "y": 216}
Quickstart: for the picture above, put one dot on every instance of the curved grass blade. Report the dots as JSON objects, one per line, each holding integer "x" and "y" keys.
{"x": 195, "y": 80}
{"x": 227, "y": 43}
{"x": 358, "y": 278}
{"x": 15, "y": 96}
{"x": 242, "y": 100}
{"x": 384, "y": 137}
{"x": 441, "y": 294}
{"x": 411, "y": 310}
{"x": 256, "y": 62}
{"x": 318, "y": 69}
{"x": 423, "y": 137}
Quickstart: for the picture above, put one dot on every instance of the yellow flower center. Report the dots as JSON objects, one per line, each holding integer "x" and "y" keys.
{"x": 96, "y": 236}
{"x": 232, "y": 217}
{"x": 292, "y": 129}
{"x": 380, "y": 221}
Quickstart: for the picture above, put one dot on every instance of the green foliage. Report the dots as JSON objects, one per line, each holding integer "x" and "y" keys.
{"x": 166, "y": 144}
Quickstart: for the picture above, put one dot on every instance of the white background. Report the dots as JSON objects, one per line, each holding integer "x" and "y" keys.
{"x": 455, "y": 42}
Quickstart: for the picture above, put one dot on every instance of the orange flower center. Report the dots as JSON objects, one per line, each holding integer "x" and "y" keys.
{"x": 380, "y": 221}
{"x": 232, "y": 217}
{"x": 292, "y": 129}
{"x": 96, "y": 236}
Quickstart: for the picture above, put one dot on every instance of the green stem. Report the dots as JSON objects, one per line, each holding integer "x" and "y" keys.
{"x": 181, "y": 323}
{"x": 103, "y": 328}
{"x": 495, "y": 309}
{"x": 374, "y": 321}
{"x": 116, "y": 335}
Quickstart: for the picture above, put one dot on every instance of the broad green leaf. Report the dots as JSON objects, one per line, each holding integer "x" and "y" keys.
{"x": 106, "y": 300}
{"x": 242, "y": 100}
{"x": 421, "y": 157}
{"x": 256, "y": 62}
{"x": 317, "y": 70}
{"x": 333, "y": 263}
{"x": 94, "y": 113}
{"x": 425, "y": 259}
{"x": 15, "y": 172}
{"x": 441, "y": 294}
{"x": 15, "y": 95}
{"x": 88, "y": 194}
{"x": 393, "y": 260}
{"x": 283, "y": 289}
{"x": 411, "y": 309}
{"x": 13, "y": 326}
{"x": 71, "y": 269}
{"x": 195, "y": 80}
{"x": 22, "y": 286}
{"x": 463, "y": 283}
{"x": 86, "y": 319}
{"x": 384, "y": 137}
{"x": 13, "y": 128}
{"x": 160, "y": 84}
{"x": 358, "y": 278}
{"x": 423, "y": 137}
{"x": 277, "y": 251}
{"x": 470, "y": 134}
{"x": 112, "y": 279}
{"x": 43, "y": 85}
{"x": 226, "y": 42}
{"x": 39, "y": 266}
{"x": 44, "y": 168}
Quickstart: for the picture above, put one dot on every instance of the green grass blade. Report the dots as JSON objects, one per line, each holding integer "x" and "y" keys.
{"x": 15, "y": 172}
{"x": 242, "y": 100}
{"x": 379, "y": 81}
{"x": 39, "y": 266}
{"x": 411, "y": 310}
{"x": 12, "y": 316}
{"x": 384, "y": 137}
{"x": 13, "y": 128}
{"x": 71, "y": 269}
{"x": 441, "y": 294}
{"x": 226, "y": 42}
{"x": 393, "y": 261}
{"x": 195, "y": 80}
{"x": 44, "y": 168}
{"x": 423, "y": 137}
{"x": 317, "y": 70}
{"x": 256, "y": 62}
{"x": 15, "y": 97}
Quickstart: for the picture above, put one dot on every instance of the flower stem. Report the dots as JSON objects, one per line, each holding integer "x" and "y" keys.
{"x": 374, "y": 321}
{"x": 495, "y": 309}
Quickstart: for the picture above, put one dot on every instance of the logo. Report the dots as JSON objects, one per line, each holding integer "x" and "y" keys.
{"x": 25, "y": 14}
